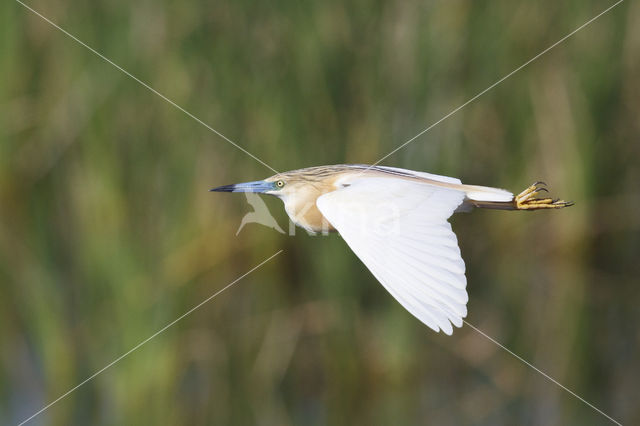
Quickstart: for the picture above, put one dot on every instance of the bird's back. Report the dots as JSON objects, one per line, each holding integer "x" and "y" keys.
{"x": 313, "y": 182}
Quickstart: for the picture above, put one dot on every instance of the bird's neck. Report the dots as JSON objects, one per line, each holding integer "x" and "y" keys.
{"x": 303, "y": 211}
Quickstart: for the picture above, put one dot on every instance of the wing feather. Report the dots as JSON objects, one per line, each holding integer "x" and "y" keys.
{"x": 423, "y": 175}
{"x": 399, "y": 229}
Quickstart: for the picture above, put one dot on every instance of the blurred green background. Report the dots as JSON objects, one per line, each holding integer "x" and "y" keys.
{"x": 108, "y": 233}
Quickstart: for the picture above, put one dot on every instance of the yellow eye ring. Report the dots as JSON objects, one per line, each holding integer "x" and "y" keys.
{"x": 280, "y": 183}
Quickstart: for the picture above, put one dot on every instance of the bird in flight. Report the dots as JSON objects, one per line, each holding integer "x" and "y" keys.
{"x": 395, "y": 221}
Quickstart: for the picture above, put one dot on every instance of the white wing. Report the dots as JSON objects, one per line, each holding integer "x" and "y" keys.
{"x": 424, "y": 175}
{"x": 399, "y": 229}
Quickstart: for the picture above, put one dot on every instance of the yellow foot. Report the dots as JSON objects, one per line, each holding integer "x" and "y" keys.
{"x": 527, "y": 200}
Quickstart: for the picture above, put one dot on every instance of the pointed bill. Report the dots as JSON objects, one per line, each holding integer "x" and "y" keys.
{"x": 258, "y": 186}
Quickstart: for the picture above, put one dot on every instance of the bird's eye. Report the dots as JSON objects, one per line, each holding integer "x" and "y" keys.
{"x": 280, "y": 183}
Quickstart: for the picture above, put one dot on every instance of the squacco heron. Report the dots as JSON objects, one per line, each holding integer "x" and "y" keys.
{"x": 395, "y": 220}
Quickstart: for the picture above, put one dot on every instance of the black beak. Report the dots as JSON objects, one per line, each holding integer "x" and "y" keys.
{"x": 224, "y": 188}
{"x": 258, "y": 186}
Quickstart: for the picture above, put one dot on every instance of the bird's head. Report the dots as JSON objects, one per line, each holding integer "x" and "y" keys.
{"x": 281, "y": 185}
{"x": 299, "y": 190}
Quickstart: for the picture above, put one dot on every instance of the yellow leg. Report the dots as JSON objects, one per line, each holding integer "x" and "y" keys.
{"x": 527, "y": 200}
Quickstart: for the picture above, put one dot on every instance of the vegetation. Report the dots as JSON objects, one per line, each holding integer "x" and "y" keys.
{"x": 108, "y": 233}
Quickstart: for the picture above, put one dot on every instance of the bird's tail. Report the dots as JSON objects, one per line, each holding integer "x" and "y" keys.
{"x": 488, "y": 198}
{"x": 499, "y": 199}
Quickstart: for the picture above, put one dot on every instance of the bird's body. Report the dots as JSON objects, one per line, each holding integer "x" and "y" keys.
{"x": 313, "y": 182}
{"x": 395, "y": 220}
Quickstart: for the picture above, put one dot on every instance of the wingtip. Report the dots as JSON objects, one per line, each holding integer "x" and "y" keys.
{"x": 448, "y": 329}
